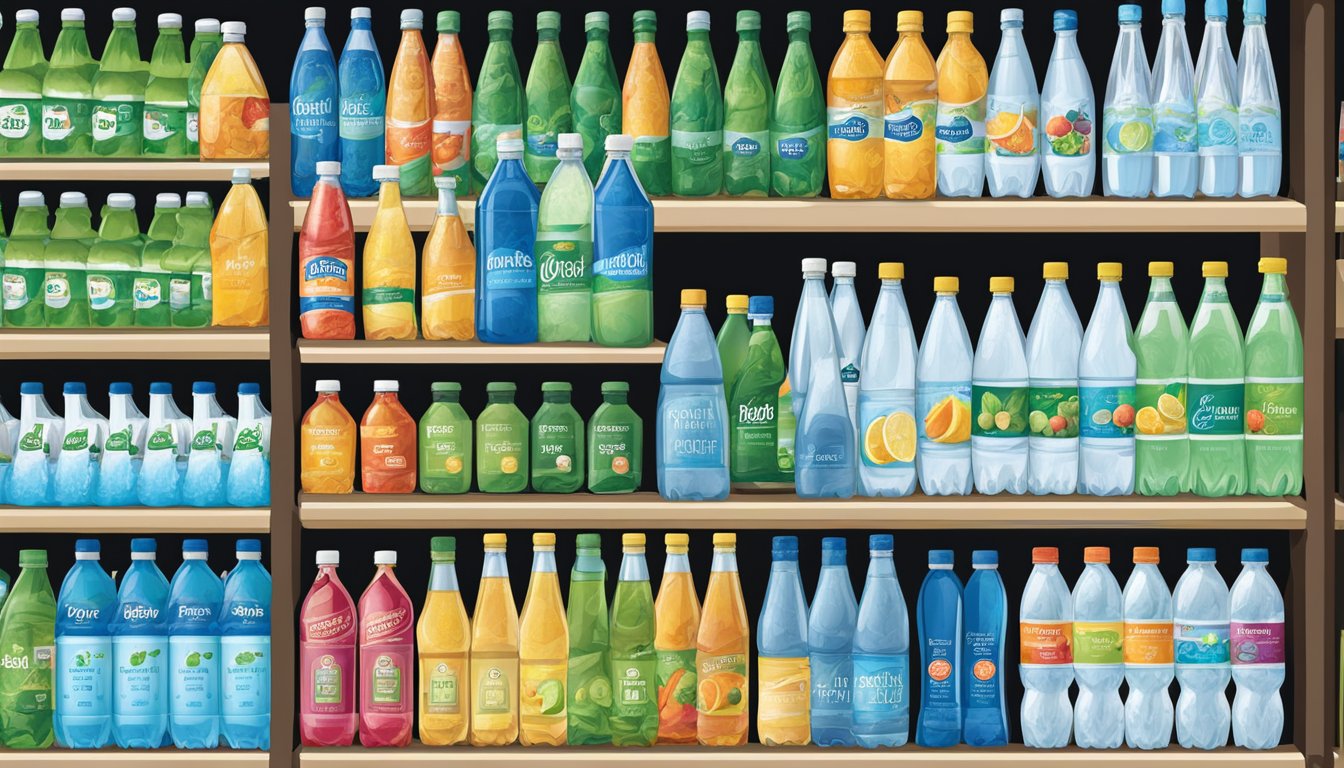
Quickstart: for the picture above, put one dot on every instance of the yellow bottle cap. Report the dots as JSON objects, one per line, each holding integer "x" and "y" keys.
{"x": 1110, "y": 270}
{"x": 632, "y": 540}
{"x": 737, "y": 303}
{"x": 693, "y": 297}
{"x": 1000, "y": 285}
{"x": 946, "y": 284}
{"x": 543, "y": 539}
{"x": 1161, "y": 269}
{"x": 960, "y": 21}
{"x": 858, "y": 21}
{"x": 495, "y": 539}
{"x": 1056, "y": 270}
{"x": 910, "y": 21}
{"x": 1215, "y": 269}
{"x": 677, "y": 539}
{"x": 729, "y": 539}
{"x": 891, "y": 270}
{"x": 1273, "y": 265}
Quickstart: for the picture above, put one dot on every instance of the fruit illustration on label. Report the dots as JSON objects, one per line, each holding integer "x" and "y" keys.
{"x": 1123, "y": 416}
{"x": 949, "y": 421}
{"x": 890, "y": 438}
{"x": 1255, "y": 420}
{"x": 1015, "y": 134}
{"x": 1070, "y": 133}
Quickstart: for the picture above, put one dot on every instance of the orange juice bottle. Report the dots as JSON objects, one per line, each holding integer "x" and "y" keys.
{"x": 721, "y": 649}
{"x": 452, "y": 103}
{"x": 910, "y": 91}
{"x": 387, "y": 435}
{"x": 239, "y": 258}
{"x": 677, "y": 618}
{"x": 963, "y": 87}
{"x": 410, "y": 108}
{"x": 235, "y": 120}
{"x": 327, "y": 443}
{"x": 854, "y": 113}
{"x": 388, "y": 292}
{"x": 543, "y": 652}
{"x": 448, "y": 272}
{"x": 443, "y": 638}
{"x": 645, "y": 108}
{"x": 494, "y": 652}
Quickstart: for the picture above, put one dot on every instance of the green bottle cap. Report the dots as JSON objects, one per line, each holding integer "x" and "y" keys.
{"x": 548, "y": 20}
{"x": 748, "y": 21}
{"x": 646, "y": 21}
{"x": 588, "y": 541}
{"x": 556, "y": 386}
{"x": 445, "y": 386}
{"x": 501, "y": 386}
{"x": 615, "y": 387}
{"x": 32, "y": 558}
{"x": 596, "y": 20}
{"x": 799, "y": 20}
{"x": 442, "y": 549}
{"x": 449, "y": 22}
{"x": 500, "y": 20}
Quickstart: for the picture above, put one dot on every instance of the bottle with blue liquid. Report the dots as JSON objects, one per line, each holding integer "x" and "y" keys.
{"x": 140, "y": 653}
{"x": 363, "y": 92}
{"x": 84, "y": 692}
{"x": 1175, "y": 124}
{"x": 1098, "y": 654}
{"x": 1258, "y": 646}
{"x": 165, "y": 464}
{"x": 999, "y": 397}
{"x": 692, "y": 410}
{"x": 41, "y": 433}
{"x": 245, "y": 652}
{"x": 1013, "y": 130}
{"x": 506, "y": 236}
{"x": 830, "y": 646}
{"x": 1260, "y": 139}
{"x": 887, "y": 391}
{"x": 984, "y": 713}
{"x": 1107, "y": 371}
{"x": 77, "y": 465}
{"x": 943, "y": 397}
{"x": 1202, "y": 624}
{"x": 1068, "y": 114}
{"x": 1148, "y": 654}
{"x": 123, "y": 450}
{"x": 195, "y": 597}
{"x": 249, "y": 480}
{"x": 1216, "y": 93}
{"x": 782, "y": 662}
{"x": 939, "y": 615}
{"x": 211, "y": 446}
{"x": 881, "y": 654}
{"x": 1053, "y": 343}
{"x": 622, "y": 252}
{"x": 1127, "y": 154}
{"x": 313, "y": 93}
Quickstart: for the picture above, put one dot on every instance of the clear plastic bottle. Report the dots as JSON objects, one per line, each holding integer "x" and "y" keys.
{"x": 140, "y": 634}
{"x": 999, "y": 397}
{"x": 1106, "y": 381}
{"x": 83, "y": 663}
{"x": 692, "y": 425}
{"x": 1258, "y": 648}
{"x": 1068, "y": 112}
{"x": 811, "y": 322}
{"x": 1127, "y": 154}
{"x": 1148, "y": 654}
{"x": 850, "y": 330}
{"x": 1053, "y": 344}
{"x": 564, "y": 248}
{"x": 363, "y": 97}
{"x": 212, "y": 431}
{"x": 963, "y": 87}
{"x": 887, "y": 431}
{"x": 41, "y": 433}
{"x": 1216, "y": 95}
{"x": 123, "y": 451}
{"x": 313, "y": 98}
{"x": 881, "y": 653}
{"x": 1046, "y": 661}
{"x": 1098, "y": 656}
{"x": 245, "y": 649}
{"x": 249, "y": 483}
{"x": 1260, "y": 138}
{"x": 166, "y": 447}
{"x": 1202, "y": 625}
{"x": 782, "y": 659}
{"x": 1012, "y": 128}
{"x": 830, "y": 645}
{"x": 943, "y": 397}
{"x": 1175, "y": 125}
{"x": 1274, "y": 406}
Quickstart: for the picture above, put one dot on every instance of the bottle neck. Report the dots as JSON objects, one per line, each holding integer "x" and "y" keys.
{"x": 598, "y": 35}
{"x": 548, "y": 35}
{"x": 556, "y": 397}
{"x": 447, "y": 201}
{"x": 642, "y": 36}
{"x": 881, "y": 564}
{"x": 26, "y": 50}
{"x": 385, "y": 397}
{"x": 443, "y": 577}
{"x": 616, "y": 398}
{"x": 784, "y": 567}
{"x": 1160, "y": 289}
{"x": 501, "y": 35}
{"x": 169, "y": 52}
{"x": 752, "y": 36}
{"x": 634, "y": 567}
{"x": 1275, "y": 286}
{"x": 495, "y": 565}
{"x": 543, "y": 560}
{"x": 588, "y": 560}
{"x": 1215, "y": 289}
{"x": 697, "y": 36}
{"x": 725, "y": 560}
{"x": 499, "y": 397}
{"x": 446, "y": 397}
{"x": 389, "y": 193}
{"x": 676, "y": 562}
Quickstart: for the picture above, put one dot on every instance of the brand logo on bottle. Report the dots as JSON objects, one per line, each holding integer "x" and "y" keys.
{"x": 14, "y": 662}
{"x": 325, "y": 266}
{"x": 629, "y": 264}
{"x": 1208, "y": 413}
{"x": 331, "y": 626}
{"x": 559, "y": 268}
{"x": 852, "y": 128}
{"x": 15, "y": 121}
{"x": 756, "y": 414}
{"x": 312, "y": 107}
{"x": 33, "y": 440}
{"x": 204, "y": 440}
{"x": 76, "y": 440}
{"x": 505, "y": 259}
{"x": 746, "y": 147}
{"x": 385, "y": 623}
{"x": 793, "y": 148}
{"x": 81, "y": 615}
{"x": 194, "y": 612}
{"x": 249, "y": 439}
{"x": 440, "y": 429}
{"x": 356, "y": 107}
{"x": 905, "y": 127}
{"x": 956, "y": 131}
{"x": 137, "y": 612}
{"x": 248, "y": 612}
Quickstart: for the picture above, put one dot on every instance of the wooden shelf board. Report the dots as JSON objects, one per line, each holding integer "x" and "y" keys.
{"x": 1339, "y": 514}
{"x": 1339, "y": 216}
{"x": 420, "y": 351}
{"x": 756, "y": 511}
{"x": 139, "y": 758}
{"x": 135, "y": 344}
{"x": 135, "y": 520}
{"x": 128, "y": 170}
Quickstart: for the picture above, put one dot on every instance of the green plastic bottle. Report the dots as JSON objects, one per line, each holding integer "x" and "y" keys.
{"x": 596, "y": 98}
{"x": 445, "y": 441}
{"x": 634, "y": 711}
{"x": 564, "y": 249}
{"x": 615, "y": 442}
{"x": 150, "y": 296}
{"x": 205, "y": 44}
{"x": 557, "y": 441}
{"x": 501, "y": 442}
{"x": 118, "y": 120}
{"x": 25, "y": 267}
{"x": 590, "y": 694}
{"x": 548, "y": 113}
{"x": 754, "y": 409}
{"x": 65, "y": 283}
{"x": 188, "y": 264}
{"x": 21, "y": 90}
{"x": 165, "y": 123}
{"x": 645, "y": 105}
{"x": 27, "y": 653}
{"x": 697, "y": 115}
{"x": 798, "y": 118}
{"x": 1162, "y": 349}
{"x": 497, "y": 107}
{"x": 67, "y": 91}
{"x": 1217, "y": 392}
{"x": 734, "y": 335}
{"x": 1274, "y": 404}
{"x": 747, "y": 99}
{"x": 114, "y": 259}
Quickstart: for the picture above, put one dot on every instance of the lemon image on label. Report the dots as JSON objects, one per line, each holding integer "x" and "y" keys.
{"x": 508, "y": 465}
{"x": 874, "y": 446}
{"x": 1171, "y": 410}
{"x": 452, "y": 465}
{"x": 1149, "y": 421}
{"x": 1135, "y": 135}
{"x": 899, "y": 436}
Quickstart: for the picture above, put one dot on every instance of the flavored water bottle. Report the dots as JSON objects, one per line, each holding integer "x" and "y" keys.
{"x": 77, "y": 465}
{"x": 854, "y": 115}
{"x": 943, "y": 397}
{"x": 328, "y": 632}
{"x": 557, "y": 441}
{"x": 747, "y": 98}
{"x": 169, "y": 439}
{"x": 1046, "y": 668}
{"x": 1274, "y": 407}
{"x": 1053, "y": 344}
{"x": 589, "y": 636}
{"x": 410, "y": 109}
{"x": 313, "y": 93}
{"x": 1216, "y": 94}
{"x": 27, "y": 634}
{"x": 939, "y": 617}
{"x": 1260, "y": 138}
{"x": 1202, "y": 629}
{"x": 1012, "y": 155}
{"x": 754, "y": 406}
{"x": 1175, "y": 125}
{"x": 9, "y": 435}
{"x": 140, "y": 653}
{"x": 1148, "y": 654}
{"x": 547, "y": 94}
{"x": 67, "y": 91}
{"x": 887, "y": 430}
{"x": 782, "y": 657}
{"x": 813, "y": 330}
{"x": 984, "y": 709}
{"x": 498, "y": 110}
{"x": 1258, "y": 648}
{"x": 245, "y": 648}
{"x": 677, "y": 616}
{"x": 1217, "y": 391}
{"x": 363, "y": 93}
{"x": 645, "y": 103}
{"x": 564, "y": 249}
{"x": 963, "y": 84}
{"x": 595, "y": 100}
{"x": 21, "y": 88}
{"x": 1068, "y": 108}
{"x": 830, "y": 646}
{"x": 123, "y": 450}
{"x": 84, "y": 609}
{"x": 622, "y": 299}
{"x": 910, "y": 113}
{"x": 999, "y": 395}
{"x": 249, "y": 481}
{"x": 798, "y": 117}
{"x": 1098, "y": 656}
{"x": 634, "y": 717}
{"x": 722, "y": 645}
{"x": 849, "y": 327}
{"x": 387, "y": 658}
{"x": 443, "y": 642}
{"x": 1162, "y": 349}
{"x": 1127, "y": 155}
{"x": 117, "y": 119}
{"x": 212, "y": 430}
{"x": 696, "y": 116}
{"x": 506, "y": 237}
{"x": 881, "y": 654}
{"x": 164, "y": 133}
{"x": 41, "y": 433}
{"x": 692, "y": 413}
{"x": 194, "y": 601}
{"x": 1106, "y": 382}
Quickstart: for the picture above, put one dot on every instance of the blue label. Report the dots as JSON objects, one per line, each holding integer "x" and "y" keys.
{"x": 325, "y": 266}
{"x": 693, "y": 429}
{"x": 510, "y": 269}
{"x": 797, "y": 148}
{"x": 315, "y": 303}
{"x": 904, "y": 126}
{"x": 881, "y": 684}
{"x": 542, "y": 144}
{"x": 746, "y": 147}
{"x": 194, "y": 662}
{"x": 362, "y": 116}
{"x": 84, "y": 667}
{"x": 1107, "y": 409}
{"x": 1217, "y": 127}
{"x": 848, "y": 124}
{"x": 1202, "y": 642}
{"x": 956, "y": 131}
{"x": 140, "y": 681}
{"x": 242, "y": 615}
{"x": 1177, "y": 128}
{"x": 629, "y": 264}
{"x": 246, "y": 682}
{"x": 1261, "y": 129}
{"x": 831, "y": 674}
{"x": 981, "y": 660}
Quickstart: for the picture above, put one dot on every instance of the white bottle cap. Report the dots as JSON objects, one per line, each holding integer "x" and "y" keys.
{"x": 1010, "y": 14}
{"x": 843, "y": 269}
{"x": 328, "y": 385}
{"x": 328, "y": 557}
{"x": 207, "y": 26}
{"x": 198, "y": 199}
{"x": 72, "y": 14}
{"x": 386, "y": 385}
{"x": 121, "y": 200}
{"x": 569, "y": 141}
{"x": 314, "y": 13}
{"x": 329, "y": 168}
{"x": 361, "y": 13}
{"x": 234, "y": 29}
{"x": 814, "y": 265}
{"x": 387, "y": 173}
{"x": 118, "y": 14}
{"x": 697, "y": 20}
{"x": 620, "y": 142}
{"x": 170, "y": 21}
{"x": 73, "y": 200}
{"x": 412, "y": 18}
{"x": 32, "y": 198}
{"x": 385, "y": 557}
{"x": 167, "y": 200}
{"x": 242, "y": 175}
{"x": 26, "y": 16}
{"x": 506, "y": 144}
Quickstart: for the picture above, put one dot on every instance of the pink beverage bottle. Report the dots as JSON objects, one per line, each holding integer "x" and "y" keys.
{"x": 327, "y": 635}
{"x": 386, "y": 658}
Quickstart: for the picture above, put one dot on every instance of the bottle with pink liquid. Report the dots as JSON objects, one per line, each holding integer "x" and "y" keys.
{"x": 327, "y": 627}
{"x": 386, "y": 658}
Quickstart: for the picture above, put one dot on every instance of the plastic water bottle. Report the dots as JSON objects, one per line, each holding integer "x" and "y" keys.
{"x": 1127, "y": 155}
{"x": 78, "y": 462}
{"x": 824, "y": 445}
{"x": 1162, "y": 348}
{"x": 1053, "y": 344}
{"x": 1068, "y": 109}
{"x": 1216, "y": 96}
{"x": 211, "y": 446}
{"x": 1260, "y": 138}
{"x": 313, "y": 93}
{"x": 1012, "y": 154}
{"x": 249, "y": 481}
{"x": 1274, "y": 407}
{"x": 363, "y": 91}
{"x": 784, "y": 672}
{"x": 1098, "y": 658}
{"x": 984, "y": 710}
{"x": 1176, "y": 127}
{"x": 963, "y": 87}
{"x": 1258, "y": 648}
{"x": 84, "y": 608}
{"x": 194, "y": 601}
{"x": 692, "y": 412}
{"x": 245, "y": 651}
{"x": 1148, "y": 654}
{"x": 999, "y": 397}
{"x": 830, "y": 646}
{"x": 564, "y": 249}
{"x": 123, "y": 450}
{"x": 41, "y": 433}
{"x": 140, "y": 653}
{"x": 160, "y": 483}
{"x": 1202, "y": 620}
{"x": 881, "y": 654}
{"x": 1217, "y": 394}
{"x": 622, "y": 252}
{"x": 9, "y": 435}
{"x": 943, "y": 397}
{"x": 810, "y": 338}
{"x": 938, "y": 614}
{"x": 1106, "y": 381}
{"x": 506, "y": 237}
{"x": 849, "y": 327}
{"x": 887, "y": 393}
{"x": 1046, "y": 668}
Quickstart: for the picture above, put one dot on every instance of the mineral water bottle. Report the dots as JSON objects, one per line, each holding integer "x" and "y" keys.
{"x": 1098, "y": 656}
{"x": 1258, "y": 649}
{"x": 747, "y": 98}
{"x": 696, "y": 116}
{"x": 881, "y": 654}
{"x": 1106, "y": 380}
{"x": 813, "y": 331}
{"x": 984, "y": 711}
{"x": 943, "y": 397}
{"x": 939, "y": 613}
{"x": 123, "y": 450}
{"x": 830, "y": 647}
{"x": 1068, "y": 109}
{"x": 692, "y": 412}
{"x": 21, "y": 89}
{"x": 1127, "y": 155}
{"x": 169, "y": 439}
{"x": 498, "y": 110}
{"x": 887, "y": 393}
{"x": 798, "y": 117}
{"x": 595, "y": 101}
{"x": 1260, "y": 139}
{"x": 211, "y": 449}
{"x": 1012, "y": 154}
{"x": 164, "y": 133}
{"x": 1175, "y": 125}
{"x": 245, "y": 651}
{"x": 313, "y": 93}
{"x": 1217, "y": 391}
{"x": 1202, "y": 617}
{"x": 1274, "y": 408}
{"x": 41, "y": 433}
{"x": 844, "y": 304}
{"x": 1148, "y": 654}
{"x": 83, "y": 665}
{"x": 506, "y": 238}
{"x": 195, "y": 598}
{"x": 999, "y": 394}
{"x": 782, "y": 658}
{"x": 140, "y": 653}
{"x": 547, "y": 93}
{"x": 78, "y": 463}
{"x": 363, "y": 94}
{"x": 564, "y": 249}
{"x": 1162, "y": 349}
{"x": 1053, "y": 343}
{"x": 622, "y": 252}
{"x": 117, "y": 119}
{"x": 249, "y": 483}
{"x": 963, "y": 85}
{"x": 854, "y": 115}
{"x": 67, "y": 90}
{"x": 1216, "y": 94}
{"x": 1046, "y": 668}
{"x": 825, "y": 449}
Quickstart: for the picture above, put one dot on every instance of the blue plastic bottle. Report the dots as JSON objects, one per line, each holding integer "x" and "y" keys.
{"x": 84, "y": 609}
{"x": 938, "y": 614}
{"x": 245, "y": 651}
{"x": 781, "y": 643}
{"x": 506, "y": 236}
{"x": 1260, "y": 141}
{"x": 830, "y": 645}
{"x": 1202, "y": 618}
{"x": 211, "y": 447}
{"x": 193, "y": 650}
{"x": 1127, "y": 121}
{"x": 692, "y": 411}
{"x": 622, "y": 252}
{"x": 881, "y": 654}
{"x": 824, "y": 446}
{"x": 1176, "y": 137}
{"x": 140, "y": 653}
{"x": 363, "y": 91}
{"x": 985, "y": 716}
{"x": 314, "y": 134}
{"x": 123, "y": 449}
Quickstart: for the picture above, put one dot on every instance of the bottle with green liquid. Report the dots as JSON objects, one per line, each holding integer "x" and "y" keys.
{"x": 501, "y": 442}
{"x": 497, "y": 108}
{"x": 798, "y": 118}
{"x": 564, "y": 249}
{"x": 557, "y": 442}
{"x": 205, "y": 44}
{"x": 114, "y": 259}
{"x": 547, "y": 92}
{"x": 697, "y": 115}
{"x": 165, "y": 126}
{"x": 28, "y": 637}
{"x": 757, "y": 458}
{"x": 732, "y": 340}
{"x": 615, "y": 442}
{"x": 589, "y": 692}
{"x": 119, "y": 91}
{"x": 1217, "y": 391}
{"x": 445, "y": 441}
{"x": 25, "y": 268}
{"x": 21, "y": 90}
{"x": 1274, "y": 402}
{"x": 747, "y": 97}
{"x": 67, "y": 91}
{"x": 65, "y": 285}
{"x": 596, "y": 98}
{"x": 150, "y": 292}
{"x": 188, "y": 264}
{"x": 634, "y": 711}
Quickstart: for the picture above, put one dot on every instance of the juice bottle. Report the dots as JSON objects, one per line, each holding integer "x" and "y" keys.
{"x": 363, "y": 106}
{"x": 327, "y": 637}
{"x": 963, "y": 85}
{"x": 564, "y": 248}
{"x": 494, "y": 651}
{"x": 634, "y": 713}
{"x": 151, "y": 280}
{"x": 798, "y": 118}
{"x": 388, "y": 295}
{"x": 696, "y": 115}
{"x": 444, "y": 637}
{"x": 67, "y": 91}
{"x": 164, "y": 133}
{"x": 235, "y": 122}
{"x": 386, "y": 658}
{"x": 27, "y": 634}
{"x": 910, "y": 92}
{"x": 21, "y": 90}
{"x": 854, "y": 113}
{"x": 595, "y": 101}
{"x": 448, "y": 272}
{"x": 410, "y": 108}
{"x": 205, "y": 45}
{"x": 557, "y": 442}
{"x": 589, "y": 696}
{"x": 117, "y": 120}
{"x": 113, "y": 260}
{"x": 65, "y": 286}
{"x": 501, "y": 442}
{"x": 313, "y": 94}
{"x": 25, "y": 270}
{"x": 445, "y": 442}
{"x": 622, "y": 252}
{"x": 239, "y": 259}
{"x": 722, "y": 646}
{"x": 386, "y": 443}
{"x": 747, "y": 96}
{"x": 497, "y": 109}
{"x": 327, "y": 261}
{"x": 452, "y": 103}
{"x": 543, "y": 651}
{"x": 645, "y": 104}
{"x": 547, "y": 94}
{"x": 615, "y": 443}
{"x": 327, "y": 443}
{"x": 187, "y": 262}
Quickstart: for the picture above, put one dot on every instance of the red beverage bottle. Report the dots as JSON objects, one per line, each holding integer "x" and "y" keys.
{"x": 386, "y": 658}
{"x": 327, "y": 260}
{"x": 387, "y": 437}
{"x": 327, "y": 627}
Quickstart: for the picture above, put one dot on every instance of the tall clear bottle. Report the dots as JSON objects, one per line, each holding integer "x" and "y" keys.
{"x": 825, "y": 445}
{"x": 1162, "y": 349}
{"x": 782, "y": 662}
{"x": 963, "y": 86}
{"x": 1274, "y": 406}
{"x": 887, "y": 432}
{"x": 1202, "y": 624}
{"x": 849, "y": 330}
{"x": 543, "y": 651}
{"x": 1045, "y": 637}
{"x": 564, "y": 249}
{"x": 813, "y": 331}
{"x": 1012, "y": 130}
{"x": 1216, "y": 94}
{"x": 881, "y": 653}
{"x": 494, "y": 652}
{"x": 692, "y": 411}
{"x": 1148, "y": 654}
{"x": 1098, "y": 655}
{"x": 1106, "y": 381}
{"x": 747, "y": 98}
{"x": 943, "y": 397}
{"x": 1217, "y": 393}
{"x": 1068, "y": 114}
{"x": 1260, "y": 138}
{"x": 363, "y": 95}
{"x": 1258, "y": 651}
{"x": 1175, "y": 124}
{"x": 1053, "y": 343}
{"x": 634, "y": 711}
{"x": 1127, "y": 155}
{"x": 830, "y": 645}
{"x": 999, "y": 397}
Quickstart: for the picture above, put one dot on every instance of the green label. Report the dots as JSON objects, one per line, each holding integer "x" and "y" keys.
{"x": 677, "y": 669}
{"x": 1161, "y": 406}
{"x": 1216, "y": 407}
{"x": 205, "y": 440}
{"x": 248, "y": 439}
{"x": 444, "y": 449}
{"x": 754, "y": 439}
{"x": 1098, "y": 642}
{"x": 492, "y": 690}
{"x": 120, "y": 442}
{"x": 162, "y": 440}
{"x": 65, "y": 118}
{"x": 562, "y": 263}
{"x": 635, "y": 681}
{"x": 999, "y": 411}
{"x": 1274, "y": 407}
{"x": 1054, "y": 411}
{"x": 388, "y": 294}
{"x": 697, "y": 147}
{"x": 386, "y": 681}
{"x": 443, "y": 689}
{"x": 19, "y": 117}
{"x": 32, "y": 440}
{"x": 76, "y": 440}
{"x": 117, "y": 120}
{"x": 327, "y": 684}
{"x": 556, "y": 446}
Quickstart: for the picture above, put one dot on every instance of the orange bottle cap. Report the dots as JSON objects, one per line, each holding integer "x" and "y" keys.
{"x": 1045, "y": 555}
{"x": 1097, "y": 555}
{"x": 1146, "y": 555}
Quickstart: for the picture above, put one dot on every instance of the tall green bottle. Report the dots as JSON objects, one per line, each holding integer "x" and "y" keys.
{"x": 501, "y": 442}
{"x": 445, "y": 441}
{"x": 497, "y": 107}
{"x": 1274, "y": 405}
{"x": 697, "y": 115}
{"x": 1217, "y": 391}
{"x": 118, "y": 120}
{"x": 114, "y": 259}
{"x": 1162, "y": 347}
{"x": 548, "y": 113}
{"x": 25, "y": 268}
{"x": 589, "y": 693}
{"x": 150, "y": 296}
{"x": 732, "y": 340}
{"x": 205, "y": 44}
{"x": 615, "y": 442}
{"x": 754, "y": 408}
{"x": 798, "y": 118}
{"x": 557, "y": 442}
{"x": 27, "y": 657}
{"x": 634, "y": 709}
{"x": 188, "y": 264}
{"x": 645, "y": 105}
{"x": 65, "y": 285}
{"x": 67, "y": 91}
{"x": 596, "y": 98}
{"x": 747, "y": 99}
{"x": 165, "y": 127}
{"x": 21, "y": 90}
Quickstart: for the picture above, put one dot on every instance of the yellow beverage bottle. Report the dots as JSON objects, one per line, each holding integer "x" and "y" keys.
{"x": 239, "y": 259}
{"x": 448, "y": 272}
{"x": 645, "y": 109}
{"x": 327, "y": 443}
{"x": 494, "y": 652}
{"x": 410, "y": 108}
{"x": 235, "y": 118}
{"x": 543, "y": 651}
{"x": 389, "y": 264}
{"x": 910, "y": 93}
{"x": 443, "y": 637}
{"x": 963, "y": 89}
{"x": 721, "y": 648}
{"x": 854, "y": 113}
{"x": 677, "y": 618}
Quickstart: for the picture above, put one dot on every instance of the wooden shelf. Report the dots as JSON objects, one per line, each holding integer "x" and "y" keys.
{"x": 140, "y": 758}
{"x": 128, "y": 170}
{"x": 757, "y": 511}
{"x": 135, "y": 520}
{"x": 1339, "y": 514}
{"x": 420, "y": 351}
{"x": 135, "y": 344}
{"x": 722, "y": 214}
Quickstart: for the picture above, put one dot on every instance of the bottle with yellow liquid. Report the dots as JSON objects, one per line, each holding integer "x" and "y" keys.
{"x": 721, "y": 648}
{"x": 543, "y": 651}
{"x": 910, "y": 91}
{"x": 963, "y": 88}
{"x": 448, "y": 272}
{"x": 783, "y": 717}
{"x": 677, "y": 619}
{"x": 235, "y": 117}
{"x": 389, "y": 264}
{"x": 443, "y": 637}
{"x": 410, "y": 109}
{"x": 854, "y": 113}
{"x": 494, "y": 651}
{"x": 645, "y": 105}
{"x": 240, "y": 258}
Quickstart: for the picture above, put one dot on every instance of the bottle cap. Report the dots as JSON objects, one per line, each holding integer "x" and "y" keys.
{"x": 385, "y": 557}
{"x": 984, "y": 557}
{"x": 748, "y": 21}
{"x": 249, "y": 388}
{"x": 1130, "y": 14}
{"x": 445, "y": 386}
{"x": 569, "y": 141}
{"x": 946, "y": 285}
{"x": 697, "y": 20}
{"x": 615, "y": 387}
{"x": 1215, "y": 8}
{"x": 26, "y": 16}
{"x": 1055, "y": 270}
{"x": 1097, "y": 555}
{"x": 30, "y": 198}
{"x": 501, "y": 386}
{"x": 207, "y": 26}
{"x": 195, "y": 547}
{"x": 1250, "y": 555}
{"x": 1148, "y": 555}
{"x": 1066, "y": 20}
{"x": 798, "y": 20}
{"x": 314, "y": 13}
{"x": 543, "y": 539}
{"x": 941, "y": 557}
{"x": 814, "y": 266}
{"x": 737, "y": 303}
{"x": 412, "y": 18}
{"x": 891, "y": 270}
{"x": 505, "y": 144}
{"x": 202, "y": 387}
{"x": 249, "y": 546}
{"x": 679, "y": 540}
{"x": 329, "y": 168}
{"x": 144, "y": 546}
{"x": 328, "y": 385}
{"x": 556, "y": 386}
{"x": 328, "y": 557}
{"x": 693, "y": 297}
{"x": 121, "y": 200}
{"x": 31, "y": 388}
{"x": 198, "y": 200}
{"x": 1215, "y": 269}
{"x": 858, "y": 21}
{"x": 73, "y": 200}
{"x": 596, "y": 20}
{"x": 1000, "y": 285}
{"x": 386, "y": 385}
{"x": 1161, "y": 269}
{"x": 620, "y": 142}
{"x": 32, "y": 558}
{"x": 646, "y": 21}
{"x": 119, "y": 388}
{"x": 387, "y": 173}
{"x": 1173, "y": 7}
{"x": 784, "y": 548}
{"x": 1045, "y": 555}
{"x": 1273, "y": 265}
{"x": 833, "y": 544}
{"x": 632, "y": 540}
{"x": 240, "y": 176}
{"x": 910, "y": 21}
{"x": 499, "y": 20}
{"x": 91, "y": 546}
{"x": 236, "y": 29}
{"x": 448, "y": 22}
{"x": 761, "y": 306}
{"x": 588, "y": 541}
{"x": 960, "y": 21}
{"x": 1253, "y": 8}
{"x": 1110, "y": 270}
{"x": 1201, "y": 555}
{"x": 844, "y": 269}
{"x": 74, "y": 388}
{"x": 725, "y": 539}
{"x": 881, "y": 542}
{"x": 167, "y": 200}
{"x": 1011, "y": 16}
{"x": 170, "y": 21}
{"x": 442, "y": 549}
{"x": 72, "y": 14}
{"x": 160, "y": 388}
{"x": 548, "y": 20}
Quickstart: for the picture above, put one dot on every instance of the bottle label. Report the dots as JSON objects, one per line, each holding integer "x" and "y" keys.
{"x": 1261, "y": 130}
{"x": 361, "y": 117}
{"x": 795, "y": 145}
{"x": 1257, "y": 643}
{"x": 387, "y": 294}
{"x": 163, "y": 439}
{"x": 193, "y": 126}
{"x": 77, "y": 440}
{"x": 1161, "y": 413}
{"x": 56, "y": 290}
{"x": 1108, "y": 408}
{"x": 444, "y": 449}
{"x": 784, "y": 689}
{"x": 612, "y": 447}
{"x": 881, "y": 683}
{"x": 693, "y": 148}
{"x": 999, "y": 411}
{"x": 443, "y": 695}
{"x": 831, "y": 673}
{"x": 744, "y": 144}
{"x": 1202, "y": 642}
{"x": 451, "y": 145}
{"x": 1098, "y": 642}
{"x": 636, "y": 684}
{"x": 1177, "y": 128}
{"x": 84, "y": 672}
{"x": 946, "y": 409}
{"x": 1129, "y": 129}
{"x": 727, "y": 697}
{"x": 507, "y": 269}
{"x": 692, "y": 431}
{"x": 311, "y": 113}
{"x": 379, "y": 448}
{"x": 1068, "y": 127}
{"x": 854, "y": 123}
{"x": 493, "y": 689}
{"x": 206, "y": 440}
{"x": 1216, "y": 408}
{"x": 63, "y": 117}
{"x": 542, "y": 691}
{"x": 102, "y": 291}
{"x": 563, "y": 263}
{"x": 326, "y": 284}
{"x": 31, "y": 668}
{"x": 140, "y": 675}
{"x": 1011, "y": 127}
{"x": 15, "y": 286}
{"x": 678, "y": 683}
{"x": 502, "y": 445}
{"x": 328, "y": 681}
{"x": 1046, "y": 642}
{"x": 651, "y": 149}
{"x": 556, "y": 446}
{"x": 542, "y": 144}
{"x": 16, "y": 118}
{"x": 887, "y": 421}
{"x": 940, "y": 678}
{"x": 250, "y": 438}
{"x": 116, "y": 120}
{"x": 1148, "y": 641}
{"x": 1053, "y": 411}
{"x": 1274, "y": 408}
{"x": 982, "y": 654}
{"x": 627, "y": 265}
{"x": 195, "y": 665}
{"x": 179, "y": 293}
{"x": 910, "y": 123}
{"x": 385, "y": 675}
{"x": 121, "y": 441}
{"x": 961, "y": 128}
{"x": 163, "y": 122}
{"x": 246, "y": 680}
{"x": 1217, "y": 128}
{"x": 148, "y": 292}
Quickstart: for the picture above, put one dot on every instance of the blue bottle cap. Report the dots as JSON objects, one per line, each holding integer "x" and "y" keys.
{"x": 195, "y": 545}
{"x": 75, "y": 388}
{"x": 941, "y": 557}
{"x": 985, "y": 557}
{"x": 119, "y": 388}
{"x": 92, "y": 545}
{"x": 30, "y": 388}
{"x": 160, "y": 388}
{"x": 761, "y": 305}
{"x": 881, "y": 542}
{"x": 1066, "y": 20}
{"x": 249, "y": 388}
{"x": 1201, "y": 555}
{"x": 833, "y": 551}
{"x": 1215, "y": 8}
{"x": 1253, "y": 8}
{"x": 1129, "y": 13}
{"x": 248, "y": 545}
{"x": 203, "y": 388}
{"x": 1255, "y": 555}
{"x": 144, "y": 545}
{"x": 784, "y": 547}
{"x": 1173, "y": 7}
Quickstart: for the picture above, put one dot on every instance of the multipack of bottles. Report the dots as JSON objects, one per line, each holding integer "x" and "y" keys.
{"x": 153, "y": 663}
{"x": 83, "y": 458}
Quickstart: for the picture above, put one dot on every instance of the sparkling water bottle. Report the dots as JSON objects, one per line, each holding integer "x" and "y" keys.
{"x": 1098, "y": 657}
{"x": 1162, "y": 348}
{"x": 849, "y": 327}
{"x": 1258, "y": 648}
{"x": 123, "y": 450}
{"x": 1201, "y": 624}
{"x": 984, "y": 712}
{"x": 887, "y": 431}
{"x": 943, "y": 397}
{"x": 830, "y": 646}
{"x": 1217, "y": 392}
{"x": 881, "y": 654}
{"x": 39, "y": 443}
{"x": 1274, "y": 407}
{"x": 1053, "y": 343}
{"x": 1046, "y": 668}
{"x": 1068, "y": 109}
{"x": 1012, "y": 153}
{"x": 692, "y": 412}
{"x": 1260, "y": 138}
{"x": 211, "y": 447}
{"x": 1106, "y": 378}
{"x": 249, "y": 481}
{"x": 999, "y": 393}
{"x": 1175, "y": 125}
{"x": 1148, "y": 654}
{"x": 77, "y": 465}
{"x": 1216, "y": 105}
{"x": 1127, "y": 154}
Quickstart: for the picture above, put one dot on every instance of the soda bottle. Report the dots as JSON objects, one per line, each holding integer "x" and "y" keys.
{"x": 1161, "y": 347}
{"x": 622, "y": 302}
{"x": 140, "y": 653}
{"x": 501, "y": 442}
{"x": 445, "y": 444}
{"x": 494, "y": 652}
{"x": 814, "y": 335}
{"x": 1098, "y": 655}
{"x": 118, "y": 116}
{"x": 497, "y": 111}
{"x": 249, "y": 481}
{"x": 506, "y": 239}
{"x": 753, "y": 406}
{"x": 1260, "y": 135}
{"x": 557, "y": 436}
{"x": 1274, "y": 407}
{"x": 327, "y": 444}
{"x": 328, "y": 628}
{"x": 195, "y": 598}
{"x": 963, "y": 87}
{"x": 235, "y": 109}
{"x": 547, "y": 94}
{"x": 65, "y": 284}
{"x": 123, "y": 450}
{"x": 797, "y": 120}
{"x": 444, "y": 639}
{"x": 84, "y": 607}
{"x": 615, "y": 443}
{"x": 782, "y": 658}
{"x": 1052, "y": 364}
{"x": 693, "y": 416}
{"x": 313, "y": 120}
{"x": 1068, "y": 106}
{"x": 887, "y": 393}
{"x": 634, "y": 713}
{"x": 985, "y": 627}
{"x": 939, "y": 616}
{"x": 27, "y": 633}
{"x": 170, "y": 438}
{"x": 164, "y": 129}
{"x": 205, "y": 45}
{"x": 1202, "y": 620}
{"x": 1217, "y": 391}
{"x": 327, "y": 261}
{"x": 386, "y": 658}
{"x": 239, "y": 258}
{"x": 1148, "y": 654}
{"x": 67, "y": 91}
{"x": 150, "y": 298}
{"x": 410, "y": 109}
{"x": 722, "y": 647}
{"x": 943, "y": 396}
{"x": 21, "y": 89}
{"x": 595, "y": 102}
{"x": 245, "y": 645}
{"x": 1127, "y": 155}
{"x": 697, "y": 116}
{"x": 999, "y": 397}
{"x": 1258, "y": 651}
{"x": 1176, "y": 128}
{"x": 543, "y": 645}
{"x": 589, "y": 695}
{"x": 1012, "y": 158}
{"x": 910, "y": 103}
{"x": 1045, "y": 632}
{"x": 76, "y": 474}
{"x": 41, "y": 433}
{"x": 452, "y": 103}
{"x": 849, "y": 327}
{"x": 188, "y": 262}
{"x": 733, "y": 338}
{"x": 213, "y": 430}
{"x": 1216, "y": 89}
{"x": 388, "y": 295}
{"x": 830, "y": 647}
{"x": 448, "y": 271}
{"x": 645, "y": 106}
{"x": 747, "y": 99}
{"x": 1107, "y": 370}
{"x": 881, "y": 654}
{"x": 564, "y": 248}
{"x": 363, "y": 95}
{"x": 677, "y": 614}
{"x": 112, "y": 262}
{"x": 386, "y": 443}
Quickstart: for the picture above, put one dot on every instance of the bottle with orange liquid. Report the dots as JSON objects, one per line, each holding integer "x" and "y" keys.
{"x": 494, "y": 651}
{"x": 327, "y": 443}
{"x": 410, "y": 109}
{"x": 235, "y": 121}
{"x": 443, "y": 638}
{"x": 388, "y": 292}
{"x": 448, "y": 272}
{"x": 721, "y": 648}
{"x": 677, "y": 619}
{"x": 452, "y": 103}
{"x": 910, "y": 90}
{"x": 543, "y": 651}
{"x": 854, "y": 113}
{"x": 327, "y": 260}
{"x": 387, "y": 435}
{"x": 963, "y": 88}
{"x": 239, "y": 257}
{"x": 645, "y": 104}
